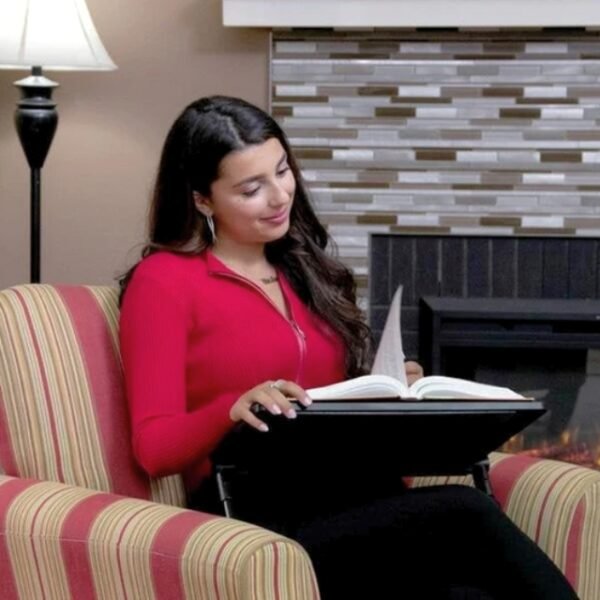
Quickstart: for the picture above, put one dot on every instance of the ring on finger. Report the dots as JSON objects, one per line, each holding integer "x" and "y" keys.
{"x": 277, "y": 384}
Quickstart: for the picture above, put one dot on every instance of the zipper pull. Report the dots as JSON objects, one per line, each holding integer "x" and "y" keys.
{"x": 300, "y": 332}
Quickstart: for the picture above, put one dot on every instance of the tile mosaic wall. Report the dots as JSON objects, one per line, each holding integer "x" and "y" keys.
{"x": 443, "y": 131}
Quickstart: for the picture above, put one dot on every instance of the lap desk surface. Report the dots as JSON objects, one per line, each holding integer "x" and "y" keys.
{"x": 411, "y": 437}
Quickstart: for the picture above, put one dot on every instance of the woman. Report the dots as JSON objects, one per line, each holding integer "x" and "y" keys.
{"x": 236, "y": 303}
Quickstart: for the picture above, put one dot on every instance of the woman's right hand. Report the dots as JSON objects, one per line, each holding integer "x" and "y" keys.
{"x": 275, "y": 396}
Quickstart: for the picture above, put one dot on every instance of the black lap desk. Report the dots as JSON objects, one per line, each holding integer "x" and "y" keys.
{"x": 399, "y": 438}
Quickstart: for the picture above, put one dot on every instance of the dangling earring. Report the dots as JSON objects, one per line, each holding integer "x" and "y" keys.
{"x": 211, "y": 225}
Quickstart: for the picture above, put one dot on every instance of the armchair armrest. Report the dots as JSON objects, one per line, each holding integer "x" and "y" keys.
{"x": 60, "y": 541}
{"x": 557, "y": 504}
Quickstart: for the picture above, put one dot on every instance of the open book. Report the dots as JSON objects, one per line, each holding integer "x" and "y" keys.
{"x": 434, "y": 386}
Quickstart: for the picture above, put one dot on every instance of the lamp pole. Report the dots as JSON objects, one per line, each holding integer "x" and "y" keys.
{"x": 36, "y": 119}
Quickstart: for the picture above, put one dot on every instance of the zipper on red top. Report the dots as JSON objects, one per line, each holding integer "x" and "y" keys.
{"x": 301, "y": 338}
{"x": 298, "y": 333}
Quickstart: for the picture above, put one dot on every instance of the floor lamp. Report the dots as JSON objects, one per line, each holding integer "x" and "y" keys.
{"x": 50, "y": 34}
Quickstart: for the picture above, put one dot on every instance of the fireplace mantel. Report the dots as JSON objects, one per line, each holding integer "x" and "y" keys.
{"x": 411, "y": 13}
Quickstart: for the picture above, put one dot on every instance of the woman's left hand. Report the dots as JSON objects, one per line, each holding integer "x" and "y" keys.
{"x": 414, "y": 371}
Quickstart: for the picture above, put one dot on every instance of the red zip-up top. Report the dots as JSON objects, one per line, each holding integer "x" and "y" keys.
{"x": 195, "y": 336}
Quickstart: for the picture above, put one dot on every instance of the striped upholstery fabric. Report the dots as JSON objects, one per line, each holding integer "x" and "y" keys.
{"x": 59, "y": 541}
{"x": 78, "y": 518}
{"x": 556, "y": 504}
{"x": 63, "y": 415}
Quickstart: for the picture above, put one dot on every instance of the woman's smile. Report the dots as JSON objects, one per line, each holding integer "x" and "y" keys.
{"x": 278, "y": 218}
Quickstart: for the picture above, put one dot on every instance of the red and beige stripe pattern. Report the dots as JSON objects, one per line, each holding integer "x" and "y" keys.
{"x": 59, "y": 541}
{"x": 63, "y": 416}
{"x": 64, "y": 444}
{"x": 556, "y": 504}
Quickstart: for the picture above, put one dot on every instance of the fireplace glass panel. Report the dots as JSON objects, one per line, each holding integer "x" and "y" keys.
{"x": 566, "y": 380}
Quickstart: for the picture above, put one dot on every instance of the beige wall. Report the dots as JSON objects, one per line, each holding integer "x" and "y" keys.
{"x": 99, "y": 171}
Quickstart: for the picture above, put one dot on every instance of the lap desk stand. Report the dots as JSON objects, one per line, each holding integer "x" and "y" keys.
{"x": 424, "y": 437}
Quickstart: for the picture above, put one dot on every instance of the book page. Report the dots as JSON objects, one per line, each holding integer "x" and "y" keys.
{"x": 389, "y": 358}
{"x": 361, "y": 388}
{"x": 438, "y": 386}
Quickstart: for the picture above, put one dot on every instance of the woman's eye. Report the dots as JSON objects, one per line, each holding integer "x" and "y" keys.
{"x": 250, "y": 193}
{"x": 283, "y": 171}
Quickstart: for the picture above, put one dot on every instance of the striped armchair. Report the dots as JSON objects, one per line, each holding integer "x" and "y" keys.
{"x": 78, "y": 518}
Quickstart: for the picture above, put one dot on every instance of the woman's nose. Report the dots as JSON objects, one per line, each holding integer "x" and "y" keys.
{"x": 280, "y": 193}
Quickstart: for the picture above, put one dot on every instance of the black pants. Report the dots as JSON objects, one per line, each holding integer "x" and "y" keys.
{"x": 371, "y": 539}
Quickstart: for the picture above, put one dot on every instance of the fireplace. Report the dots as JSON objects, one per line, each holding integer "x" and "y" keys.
{"x": 521, "y": 312}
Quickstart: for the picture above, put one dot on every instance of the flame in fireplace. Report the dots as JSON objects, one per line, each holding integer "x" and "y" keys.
{"x": 568, "y": 448}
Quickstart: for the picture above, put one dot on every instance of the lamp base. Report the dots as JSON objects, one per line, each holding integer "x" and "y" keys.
{"x": 36, "y": 120}
{"x": 36, "y": 117}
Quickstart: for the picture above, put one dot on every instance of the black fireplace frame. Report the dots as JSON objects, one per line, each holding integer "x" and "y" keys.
{"x": 475, "y": 266}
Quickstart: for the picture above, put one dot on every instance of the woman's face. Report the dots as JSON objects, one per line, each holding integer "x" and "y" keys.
{"x": 251, "y": 200}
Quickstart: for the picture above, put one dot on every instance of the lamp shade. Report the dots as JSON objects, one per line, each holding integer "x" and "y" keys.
{"x": 54, "y": 34}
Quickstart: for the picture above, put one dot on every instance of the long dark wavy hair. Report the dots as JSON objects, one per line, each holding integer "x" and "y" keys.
{"x": 207, "y": 131}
